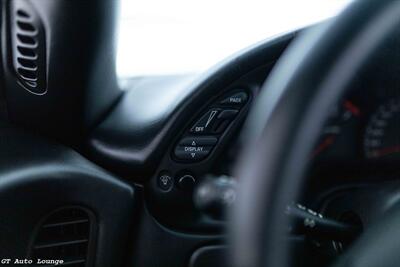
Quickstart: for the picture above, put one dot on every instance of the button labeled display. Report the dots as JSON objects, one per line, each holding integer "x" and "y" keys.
{"x": 192, "y": 152}
{"x": 198, "y": 141}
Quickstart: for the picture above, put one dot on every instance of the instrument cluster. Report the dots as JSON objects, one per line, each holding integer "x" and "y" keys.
{"x": 363, "y": 126}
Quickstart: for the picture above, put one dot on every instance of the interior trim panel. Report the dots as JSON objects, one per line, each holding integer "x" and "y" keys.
{"x": 40, "y": 177}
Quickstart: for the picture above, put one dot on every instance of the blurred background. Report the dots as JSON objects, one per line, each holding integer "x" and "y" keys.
{"x": 159, "y": 37}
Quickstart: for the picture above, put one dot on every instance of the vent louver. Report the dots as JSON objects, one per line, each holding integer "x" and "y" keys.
{"x": 65, "y": 235}
{"x": 28, "y": 47}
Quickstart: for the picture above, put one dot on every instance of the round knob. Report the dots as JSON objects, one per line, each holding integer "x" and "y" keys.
{"x": 214, "y": 195}
{"x": 186, "y": 182}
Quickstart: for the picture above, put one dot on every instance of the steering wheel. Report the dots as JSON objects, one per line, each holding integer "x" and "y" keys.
{"x": 291, "y": 110}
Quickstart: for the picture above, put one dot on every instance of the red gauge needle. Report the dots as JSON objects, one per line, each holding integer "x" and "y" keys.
{"x": 348, "y": 105}
{"x": 323, "y": 145}
{"x": 386, "y": 151}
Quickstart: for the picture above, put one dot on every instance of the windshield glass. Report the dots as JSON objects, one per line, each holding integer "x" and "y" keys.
{"x": 165, "y": 37}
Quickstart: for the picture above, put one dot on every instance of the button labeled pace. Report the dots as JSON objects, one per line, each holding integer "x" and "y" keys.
{"x": 192, "y": 152}
{"x": 235, "y": 99}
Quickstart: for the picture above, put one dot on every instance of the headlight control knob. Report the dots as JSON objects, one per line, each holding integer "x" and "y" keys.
{"x": 186, "y": 182}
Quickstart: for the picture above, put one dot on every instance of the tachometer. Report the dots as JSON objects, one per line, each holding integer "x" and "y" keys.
{"x": 382, "y": 136}
{"x": 340, "y": 116}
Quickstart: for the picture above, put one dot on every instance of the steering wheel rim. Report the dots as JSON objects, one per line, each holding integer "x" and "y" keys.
{"x": 289, "y": 114}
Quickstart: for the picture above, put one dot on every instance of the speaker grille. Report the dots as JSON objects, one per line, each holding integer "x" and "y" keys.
{"x": 65, "y": 235}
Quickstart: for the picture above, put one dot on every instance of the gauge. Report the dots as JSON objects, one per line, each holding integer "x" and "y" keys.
{"x": 382, "y": 136}
{"x": 340, "y": 116}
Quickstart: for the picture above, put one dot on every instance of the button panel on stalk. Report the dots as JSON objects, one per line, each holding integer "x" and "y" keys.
{"x": 204, "y": 133}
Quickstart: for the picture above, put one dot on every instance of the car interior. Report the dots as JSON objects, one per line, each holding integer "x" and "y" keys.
{"x": 284, "y": 154}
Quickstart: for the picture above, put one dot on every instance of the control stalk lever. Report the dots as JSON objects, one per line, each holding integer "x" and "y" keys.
{"x": 215, "y": 194}
{"x": 308, "y": 222}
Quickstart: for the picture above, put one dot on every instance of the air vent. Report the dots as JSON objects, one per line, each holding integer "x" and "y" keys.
{"x": 28, "y": 47}
{"x": 67, "y": 234}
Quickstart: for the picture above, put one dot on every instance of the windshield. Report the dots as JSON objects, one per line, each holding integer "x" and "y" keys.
{"x": 168, "y": 37}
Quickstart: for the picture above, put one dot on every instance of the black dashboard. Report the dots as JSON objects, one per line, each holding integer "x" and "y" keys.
{"x": 140, "y": 149}
{"x": 359, "y": 140}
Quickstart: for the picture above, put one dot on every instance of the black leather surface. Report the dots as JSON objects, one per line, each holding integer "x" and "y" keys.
{"x": 287, "y": 120}
{"x": 37, "y": 177}
{"x": 133, "y": 136}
